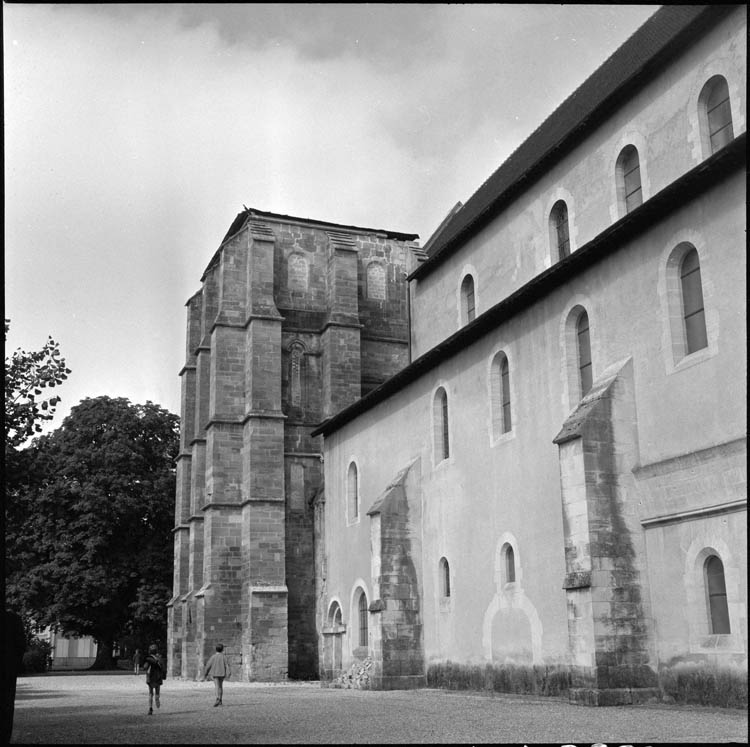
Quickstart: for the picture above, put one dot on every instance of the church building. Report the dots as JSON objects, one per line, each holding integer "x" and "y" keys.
{"x": 295, "y": 320}
{"x": 523, "y": 444}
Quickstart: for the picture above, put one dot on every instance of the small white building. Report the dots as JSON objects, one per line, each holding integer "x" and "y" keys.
{"x": 70, "y": 652}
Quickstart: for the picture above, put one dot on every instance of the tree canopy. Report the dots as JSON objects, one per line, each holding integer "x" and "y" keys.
{"x": 88, "y": 540}
{"x": 27, "y": 375}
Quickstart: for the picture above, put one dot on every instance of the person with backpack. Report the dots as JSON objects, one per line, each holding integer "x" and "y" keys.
{"x": 218, "y": 667}
{"x": 154, "y": 666}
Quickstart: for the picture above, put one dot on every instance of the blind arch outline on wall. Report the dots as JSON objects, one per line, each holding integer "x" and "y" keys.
{"x": 375, "y": 282}
{"x": 298, "y": 273}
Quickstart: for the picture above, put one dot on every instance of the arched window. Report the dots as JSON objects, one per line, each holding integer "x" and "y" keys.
{"x": 584, "y": 353}
{"x": 297, "y": 272}
{"x": 440, "y": 425}
{"x": 445, "y": 578}
{"x": 468, "y": 309}
{"x": 510, "y": 565}
{"x": 716, "y": 113}
{"x": 352, "y": 492}
{"x": 559, "y": 232}
{"x": 716, "y": 591}
{"x": 362, "y": 619}
{"x": 376, "y": 281}
{"x": 296, "y": 362}
{"x": 692, "y": 302}
{"x": 500, "y": 393}
{"x": 628, "y": 169}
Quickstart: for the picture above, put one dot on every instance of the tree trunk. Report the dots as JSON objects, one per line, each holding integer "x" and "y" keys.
{"x": 104, "y": 658}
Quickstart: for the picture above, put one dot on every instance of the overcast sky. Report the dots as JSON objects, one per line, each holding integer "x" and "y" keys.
{"x": 134, "y": 134}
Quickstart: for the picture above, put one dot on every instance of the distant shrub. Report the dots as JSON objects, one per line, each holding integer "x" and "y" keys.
{"x": 36, "y": 658}
{"x": 704, "y": 684}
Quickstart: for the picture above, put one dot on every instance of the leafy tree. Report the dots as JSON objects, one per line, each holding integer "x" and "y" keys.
{"x": 27, "y": 375}
{"x": 89, "y": 545}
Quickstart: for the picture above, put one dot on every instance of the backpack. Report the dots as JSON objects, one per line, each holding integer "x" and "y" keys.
{"x": 155, "y": 668}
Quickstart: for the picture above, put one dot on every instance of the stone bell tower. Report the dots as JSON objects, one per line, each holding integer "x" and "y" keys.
{"x": 295, "y": 319}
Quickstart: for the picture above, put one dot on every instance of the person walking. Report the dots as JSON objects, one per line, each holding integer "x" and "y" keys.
{"x": 154, "y": 666}
{"x": 137, "y": 661}
{"x": 218, "y": 667}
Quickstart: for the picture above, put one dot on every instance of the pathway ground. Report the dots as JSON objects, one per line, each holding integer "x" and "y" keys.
{"x": 112, "y": 708}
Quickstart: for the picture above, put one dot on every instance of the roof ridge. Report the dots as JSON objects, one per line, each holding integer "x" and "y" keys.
{"x": 650, "y": 42}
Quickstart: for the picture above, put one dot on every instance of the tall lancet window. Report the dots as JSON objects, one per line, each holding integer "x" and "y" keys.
{"x": 296, "y": 358}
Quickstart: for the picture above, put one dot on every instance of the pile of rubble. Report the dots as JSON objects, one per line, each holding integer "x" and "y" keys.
{"x": 357, "y": 678}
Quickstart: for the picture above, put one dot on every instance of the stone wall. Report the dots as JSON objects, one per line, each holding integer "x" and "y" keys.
{"x": 609, "y": 621}
{"x": 274, "y": 345}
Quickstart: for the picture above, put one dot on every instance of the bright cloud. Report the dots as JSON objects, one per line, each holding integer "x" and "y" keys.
{"x": 135, "y": 133}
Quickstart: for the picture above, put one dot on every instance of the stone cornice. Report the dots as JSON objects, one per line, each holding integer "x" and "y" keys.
{"x": 690, "y": 460}
{"x": 221, "y": 504}
{"x": 696, "y": 513}
{"x": 225, "y": 420}
{"x": 269, "y": 317}
{"x": 250, "y": 501}
{"x": 345, "y": 325}
{"x": 263, "y": 415}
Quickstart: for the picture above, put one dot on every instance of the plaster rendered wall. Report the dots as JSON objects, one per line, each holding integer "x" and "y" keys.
{"x": 676, "y": 553}
{"x": 492, "y": 492}
{"x": 661, "y": 120}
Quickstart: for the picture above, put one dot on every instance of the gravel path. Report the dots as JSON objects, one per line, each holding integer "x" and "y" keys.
{"x": 111, "y": 708}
